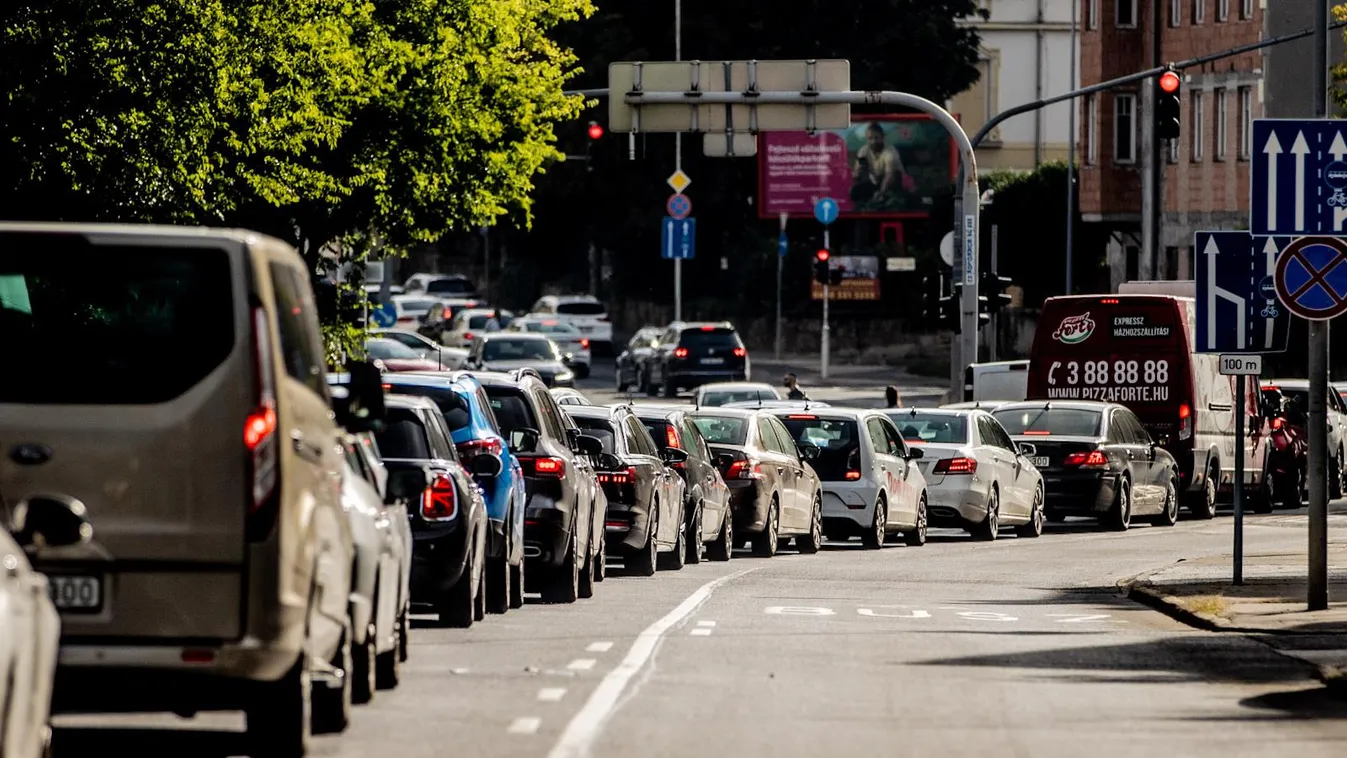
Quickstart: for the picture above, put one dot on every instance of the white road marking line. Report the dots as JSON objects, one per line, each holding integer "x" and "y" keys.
{"x": 551, "y": 694}
{"x": 524, "y": 725}
{"x": 584, "y": 728}
{"x": 701, "y": 632}
{"x": 706, "y": 623}
{"x": 599, "y": 647}
{"x": 581, "y": 664}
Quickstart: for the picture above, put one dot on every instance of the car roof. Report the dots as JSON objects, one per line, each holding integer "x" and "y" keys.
{"x": 730, "y": 386}
{"x": 595, "y": 411}
{"x": 826, "y": 412}
{"x": 772, "y": 405}
{"x": 503, "y": 334}
{"x": 572, "y": 298}
{"x": 409, "y": 402}
{"x": 391, "y": 330}
{"x": 942, "y": 410}
{"x": 725, "y": 410}
{"x": 699, "y": 324}
{"x": 1080, "y": 405}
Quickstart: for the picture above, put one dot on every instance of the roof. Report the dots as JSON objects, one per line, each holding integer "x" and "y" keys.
{"x": 1084, "y": 405}
{"x": 736, "y": 386}
{"x": 409, "y": 401}
{"x": 943, "y": 410}
{"x": 772, "y": 405}
{"x": 648, "y": 410}
{"x": 536, "y": 336}
{"x": 724, "y": 410}
{"x": 815, "y": 410}
{"x": 701, "y": 324}
{"x": 571, "y": 298}
{"x": 593, "y": 411}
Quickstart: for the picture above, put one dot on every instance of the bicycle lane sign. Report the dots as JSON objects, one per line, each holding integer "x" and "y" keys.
{"x": 1311, "y": 278}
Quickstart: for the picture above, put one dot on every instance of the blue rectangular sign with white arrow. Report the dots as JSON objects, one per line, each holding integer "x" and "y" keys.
{"x": 1237, "y": 307}
{"x": 678, "y": 238}
{"x": 1299, "y": 181}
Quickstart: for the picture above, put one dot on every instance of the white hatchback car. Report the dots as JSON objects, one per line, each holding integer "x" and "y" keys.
{"x": 584, "y": 312}
{"x": 872, "y": 485}
{"x": 978, "y": 478}
{"x": 470, "y": 323}
{"x": 567, "y": 337}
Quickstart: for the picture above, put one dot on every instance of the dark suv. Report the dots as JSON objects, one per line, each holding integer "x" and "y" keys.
{"x": 692, "y": 354}
{"x": 706, "y": 509}
{"x": 645, "y": 496}
{"x": 563, "y": 515}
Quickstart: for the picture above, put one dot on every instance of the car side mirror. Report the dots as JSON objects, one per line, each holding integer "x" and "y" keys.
{"x": 524, "y": 440}
{"x": 51, "y": 521}
{"x": 485, "y": 466}
{"x": 808, "y": 452}
{"x": 607, "y": 461}
{"x": 1028, "y": 449}
{"x": 914, "y": 453}
{"x": 361, "y": 408}
{"x": 588, "y": 445}
{"x": 673, "y": 455}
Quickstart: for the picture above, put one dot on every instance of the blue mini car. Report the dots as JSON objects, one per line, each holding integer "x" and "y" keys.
{"x": 468, "y": 414}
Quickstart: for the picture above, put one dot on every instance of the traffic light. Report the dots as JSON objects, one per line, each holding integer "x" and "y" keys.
{"x": 948, "y": 317}
{"x": 1168, "y": 113}
{"x": 835, "y": 275}
{"x": 822, "y": 268}
{"x": 595, "y": 132}
{"x": 992, "y": 293}
{"x": 930, "y": 300}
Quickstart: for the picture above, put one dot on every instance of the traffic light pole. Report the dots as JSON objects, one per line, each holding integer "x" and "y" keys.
{"x": 824, "y": 347}
{"x": 678, "y": 159}
{"x": 1317, "y": 580}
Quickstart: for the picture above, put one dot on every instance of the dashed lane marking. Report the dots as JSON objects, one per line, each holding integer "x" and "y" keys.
{"x": 701, "y": 632}
{"x": 551, "y": 694}
{"x": 524, "y": 725}
{"x": 706, "y": 623}
{"x": 599, "y": 647}
{"x": 581, "y": 664}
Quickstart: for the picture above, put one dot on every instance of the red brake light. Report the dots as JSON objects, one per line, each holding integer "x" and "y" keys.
{"x": 1185, "y": 411}
{"x": 1276, "y": 423}
{"x": 853, "y": 475}
{"x": 584, "y": 343}
{"x": 1271, "y": 387}
{"x": 440, "y": 501}
{"x": 1092, "y": 459}
{"x": 745, "y": 469}
{"x": 680, "y": 352}
{"x": 740, "y": 352}
{"x": 803, "y": 416}
{"x": 259, "y": 435}
{"x": 956, "y": 466}
{"x": 1036, "y": 432}
{"x": 448, "y": 313}
{"x": 474, "y": 448}
{"x": 1109, "y": 301}
{"x": 260, "y": 425}
{"x": 549, "y": 467}
{"x": 618, "y": 477}
{"x": 671, "y": 436}
{"x": 467, "y": 335}
{"x": 708, "y": 328}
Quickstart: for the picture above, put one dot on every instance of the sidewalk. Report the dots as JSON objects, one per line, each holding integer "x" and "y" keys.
{"x": 1269, "y": 606}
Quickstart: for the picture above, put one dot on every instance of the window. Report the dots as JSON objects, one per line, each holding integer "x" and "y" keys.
{"x": 1175, "y": 12}
{"x": 1091, "y": 130}
{"x": 1092, "y": 14}
{"x": 297, "y": 324}
{"x": 1222, "y": 10}
{"x": 1246, "y": 9}
{"x": 1245, "y": 123}
{"x": 1198, "y": 124}
{"x": 1126, "y": 16}
{"x": 1219, "y": 149}
{"x": 1124, "y": 129}
{"x": 1199, "y": 11}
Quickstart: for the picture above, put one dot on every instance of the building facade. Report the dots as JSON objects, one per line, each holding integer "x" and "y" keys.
{"x": 1205, "y": 173}
{"x": 1025, "y": 56}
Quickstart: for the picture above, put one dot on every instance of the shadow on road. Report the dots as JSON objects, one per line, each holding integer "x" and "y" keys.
{"x": 199, "y": 743}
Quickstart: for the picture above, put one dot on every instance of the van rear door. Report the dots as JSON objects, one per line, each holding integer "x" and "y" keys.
{"x": 128, "y": 386}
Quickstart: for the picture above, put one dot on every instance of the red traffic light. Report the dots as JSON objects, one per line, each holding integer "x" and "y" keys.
{"x": 595, "y": 130}
{"x": 1169, "y": 82}
{"x": 822, "y": 255}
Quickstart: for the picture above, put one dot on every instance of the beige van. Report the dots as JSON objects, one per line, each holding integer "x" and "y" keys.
{"x": 170, "y": 381}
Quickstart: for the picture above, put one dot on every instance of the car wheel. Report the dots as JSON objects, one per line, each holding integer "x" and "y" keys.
{"x": 362, "y": 667}
{"x": 722, "y": 549}
{"x": 479, "y": 594}
{"x": 517, "y": 584}
{"x": 990, "y": 528}
{"x": 458, "y": 607}
{"x": 670, "y": 389}
{"x": 766, "y": 542}
{"x": 332, "y": 705}
{"x": 279, "y": 715}
{"x": 388, "y": 666}
{"x": 675, "y": 559}
{"x": 1034, "y": 527}
{"x": 694, "y": 538}
{"x": 498, "y": 584}
{"x": 810, "y": 543}
{"x": 874, "y": 538}
{"x": 562, "y": 583}
{"x": 1204, "y": 503}
{"x": 917, "y": 536}
{"x": 1120, "y": 516}
{"x": 586, "y": 587}
{"x": 1170, "y": 515}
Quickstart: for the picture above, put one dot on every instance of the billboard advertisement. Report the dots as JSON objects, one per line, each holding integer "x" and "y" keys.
{"x": 883, "y": 166}
{"x": 860, "y": 279}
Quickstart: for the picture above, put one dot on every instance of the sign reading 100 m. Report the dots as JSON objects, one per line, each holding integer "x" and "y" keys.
{"x": 1117, "y": 381}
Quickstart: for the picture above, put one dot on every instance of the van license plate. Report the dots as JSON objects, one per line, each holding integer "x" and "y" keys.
{"x": 76, "y": 593}
{"x": 1039, "y": 461}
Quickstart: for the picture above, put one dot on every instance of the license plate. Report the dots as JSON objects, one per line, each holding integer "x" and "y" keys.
{"x": 76, "y": 593}
{"x": 1039, "y": 461}
{"x": 585, "y": 329}
{"x": 712, "y": 361}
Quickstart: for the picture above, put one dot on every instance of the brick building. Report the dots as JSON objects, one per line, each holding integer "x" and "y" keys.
{"x": 1206, "y": 171}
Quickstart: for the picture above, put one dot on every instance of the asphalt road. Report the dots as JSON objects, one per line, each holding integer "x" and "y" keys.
{"x": 1014, "y": 648}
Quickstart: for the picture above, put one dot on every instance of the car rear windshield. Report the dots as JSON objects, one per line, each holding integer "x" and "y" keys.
{"x": 450, "y": 287}
{"x": 477, "y": 322}
{"x": 511, "y": 409}
{"x": 723, "y": 397}
{"x": 506, "y": 349}
{"x": 454, "y": 408}
{"x": 1072, "y": 422}
{"x": 702, "y": 339}
{"x": 416, "y": 306}
{"x": 137, "y": 324}
{"x": 553, "y": 328}
{"x": 933, "y": 428}
{"x": 722, "y": 430}
{"x": 582, "y": 309}
{"x": 403, "y": 436}
{"x": 838, "y": 441}
{"x": 601, "y": 429}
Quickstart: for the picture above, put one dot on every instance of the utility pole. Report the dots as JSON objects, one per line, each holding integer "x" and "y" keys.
{"x": 780, "y": 263}
{"x": 678, "y": 159}
{"x": 1317, "y": 581}
{"x": 1071, "y": 158}
{"x": 1151, "y": 173}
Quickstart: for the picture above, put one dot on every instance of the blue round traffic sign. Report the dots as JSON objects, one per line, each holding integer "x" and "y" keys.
{"x": 826, "y": 210}
{"x": 1335, "y": 175}
{"x": 1268, "y": 288}
{"x": 1311, "y": 278}
{"x": 385, "y": 315}
{"x": 679, "y": 206}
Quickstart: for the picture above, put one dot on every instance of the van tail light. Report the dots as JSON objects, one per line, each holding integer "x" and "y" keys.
{"x": 1185, "y": 421}
{"x": 1276, "y": 423}
{"x": 259, "y": 437}
{"x": 1094, "y": 459}
{"x": 853, "y": 475}
{"x": 951, "y": 466}
{"x": 680, "y": 352}
{"x": 439, "y": 502}
{"x": 626, "y": 476}
{"x": 549, "y": 467}
{"x": 473, "y": 448}
{"x": 746, "y": 469}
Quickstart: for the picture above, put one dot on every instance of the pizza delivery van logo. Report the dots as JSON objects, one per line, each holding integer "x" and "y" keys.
{"x": 1074, "y": 329}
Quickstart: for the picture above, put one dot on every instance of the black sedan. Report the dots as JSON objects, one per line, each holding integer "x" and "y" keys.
{"x": 508, "y": 351}
{"x": 1097, "y": 460}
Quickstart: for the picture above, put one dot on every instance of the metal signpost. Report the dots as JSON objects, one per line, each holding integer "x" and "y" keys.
{"x": 795, "y": 95}
{"x": 1240, "y": 366}
{"x": 826, "y": 211}
{"x": 782, "y": 246}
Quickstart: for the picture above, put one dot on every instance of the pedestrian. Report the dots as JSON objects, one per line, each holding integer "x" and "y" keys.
{"x": 792, "y": 383}
{"x": 891, "y": 399}
{"x": 493, "y": 324}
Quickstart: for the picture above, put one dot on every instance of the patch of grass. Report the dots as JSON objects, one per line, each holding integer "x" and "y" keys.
{"x": 1205, "y": 605}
